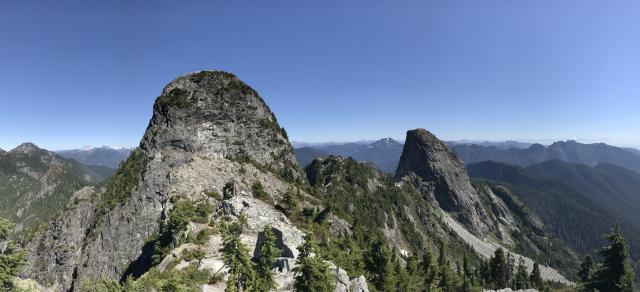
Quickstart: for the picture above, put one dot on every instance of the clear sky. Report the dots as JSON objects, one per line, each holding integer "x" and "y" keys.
{"x": 75, "y": 73}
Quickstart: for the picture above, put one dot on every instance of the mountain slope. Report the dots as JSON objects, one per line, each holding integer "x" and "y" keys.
{"x": 210, "y": 134}
{"x": 491, "y": 215}
{"x": 568, "y": 151}
{"x": 568, "y": 212}
{"x": 213, "y": 152}
{"x": 36, "y": 183}
{"x": 611, "y": 186}
{"x": 102, "y": 156}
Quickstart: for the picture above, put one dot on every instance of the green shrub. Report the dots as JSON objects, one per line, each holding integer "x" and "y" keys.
{"x": 258, "y": 191}
{"x": 213, "y": 194}
{"x": 193, "y": 254}
{"x": 203, "y": 236}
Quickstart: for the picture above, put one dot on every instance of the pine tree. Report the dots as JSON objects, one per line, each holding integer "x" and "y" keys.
{"x": 449, "y": 280}
{"x": 11, "y": 256}
{"x": 268, "y": 254}
{"x": 498, "y": 270}
{"x": 312, "y": 273}
{"x": 235, "y": 256}
{"x": 535, "y": 279}
{"x": 521, "y": 279}
{"x": 615, "y": 272}
{"x": 378, "y": 263}
{"x": 469, "y": 281}
{"x": 586, "y": 269}
{"x": 413, "y": 271}
{"x": 511, "y": 264}
{"x": 403, "y": 281}
{"x": 429, "y": 272}
{"x": 290, "y": 203}
{"x": 485, "y": 274}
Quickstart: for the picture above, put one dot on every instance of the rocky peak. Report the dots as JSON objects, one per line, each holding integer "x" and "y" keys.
{"x": 445, "y": 176}
{"x": 215, "y": 114}
{"x": 26, "y": 148}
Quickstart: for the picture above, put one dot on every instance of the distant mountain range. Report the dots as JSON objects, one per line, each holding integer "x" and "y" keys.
{"x": 384, "y": 153}
{"x": 568, "y": 151}
{"x": 102, "y": 156}
{"x": 509, "y": 144}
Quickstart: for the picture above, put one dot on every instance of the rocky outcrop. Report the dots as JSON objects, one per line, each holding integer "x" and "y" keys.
{"x": 208, "y": 129}
{"x": 55, "y": 253}
{"x": 214, "y": 113}
{"x": 202, "y": 125}
{"x": 444, "y": 176}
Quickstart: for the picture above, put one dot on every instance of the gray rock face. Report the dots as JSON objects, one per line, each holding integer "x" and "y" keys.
{"x": 54, "y": 254}
{"x": 216, "y": 113}
{"x": 203, "y": 125}
{"x": 444, "y": 176}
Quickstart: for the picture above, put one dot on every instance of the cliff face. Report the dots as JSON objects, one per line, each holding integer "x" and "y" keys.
{"x": 208, "y": 130}
{"x": 444, "y": 176}
{"x": 200, "y": 123}
{"x": 216, "y": 114}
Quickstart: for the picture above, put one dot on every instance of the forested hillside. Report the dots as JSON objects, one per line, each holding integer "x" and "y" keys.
{"x": 35, "y": 184}
{"x": 570, "y": 213}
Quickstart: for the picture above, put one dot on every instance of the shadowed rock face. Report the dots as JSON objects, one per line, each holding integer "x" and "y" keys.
{"x": 445, "y": 177}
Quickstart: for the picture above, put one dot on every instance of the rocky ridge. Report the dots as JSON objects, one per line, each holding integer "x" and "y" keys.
{"x": 208, "y": 130}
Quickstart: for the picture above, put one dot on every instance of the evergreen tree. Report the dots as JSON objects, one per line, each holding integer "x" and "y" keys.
{"x": 290, "y": 203}
{"x": 378, "y": 263}
{"x": 498, "y": 270}
{"x": 485, "y": 274}
{"x": 402, "y": 279}
{"x": 413, "y": 270}
{"x": 586, "y": 269}
{"x": 521, "y": 279}
{"x": 268, "y": 254}
{"x": 11, "y": 256}
{"x": 429, "y": 272}
{"x": 535, "y": 279}
{"x": 235, "y": 256}
{"x": 615, "y": 272}
{"x": 449, "y": 280}
{"x": 312, "y": 273}
{"x": 469, "y": 280}
{"x": 511, "y": 264}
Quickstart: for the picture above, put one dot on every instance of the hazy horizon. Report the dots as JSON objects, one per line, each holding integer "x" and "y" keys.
{"x": 545, "y": 142}
{"x": 80, "y": 73}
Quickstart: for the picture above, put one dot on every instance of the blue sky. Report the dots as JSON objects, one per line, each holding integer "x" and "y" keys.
{"x": 75, "y": 73}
